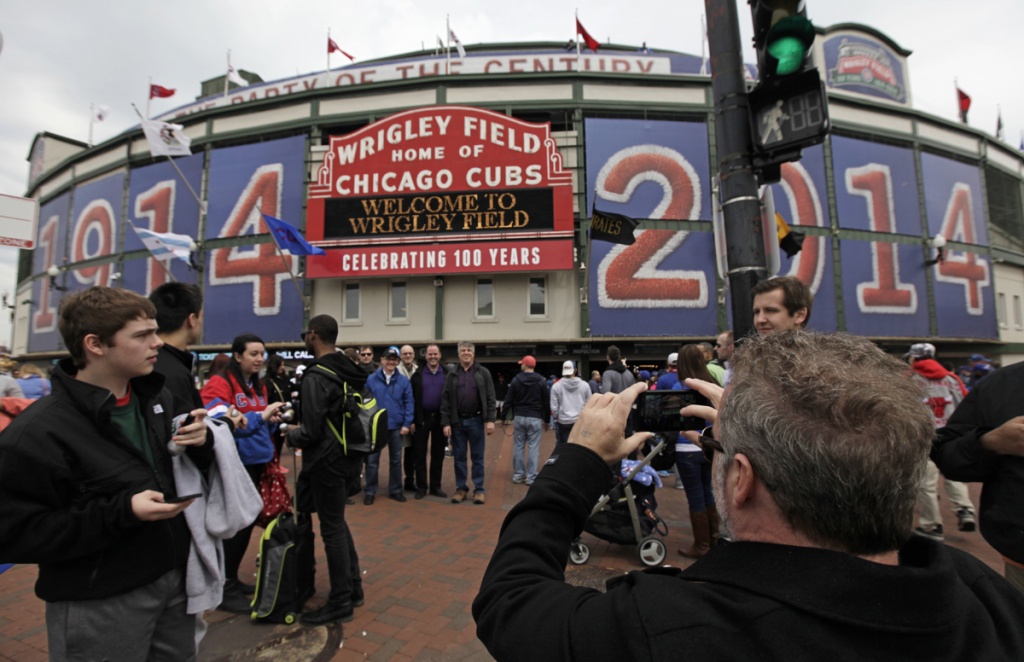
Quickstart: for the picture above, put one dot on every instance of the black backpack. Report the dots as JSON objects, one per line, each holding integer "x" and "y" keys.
{"x": 359, "y": 424}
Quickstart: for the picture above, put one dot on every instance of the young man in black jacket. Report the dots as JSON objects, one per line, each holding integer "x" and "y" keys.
{"x": 817, "y": 453}
{"x": 529, "y": 400}
{"x": 984, "y": 442}
{"x": 85, "y": 479}
{"x": 328, "y": 468}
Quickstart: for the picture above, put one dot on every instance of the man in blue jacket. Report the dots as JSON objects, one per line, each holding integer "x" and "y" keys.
{"x": 393, "y": 392}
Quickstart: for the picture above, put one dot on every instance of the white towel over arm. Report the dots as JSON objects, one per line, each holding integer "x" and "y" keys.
{"x": 230, "y": 503}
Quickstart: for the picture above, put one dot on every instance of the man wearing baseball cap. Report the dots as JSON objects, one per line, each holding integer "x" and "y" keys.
{"x": 393, "y": 392}
{"x": 568, "y": 396}
{"x": 943, "y": 392}
{"x": 529, "y": 399}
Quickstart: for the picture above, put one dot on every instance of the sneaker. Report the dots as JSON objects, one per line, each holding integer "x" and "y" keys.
{"x": 479, "y": 498}
{"x": 966, "y": 518}
{"x": 460, "y": 496}
{"x": 664, "y": 474}
{"x": 934, "y": 534}
{"x": 517, "y": 479}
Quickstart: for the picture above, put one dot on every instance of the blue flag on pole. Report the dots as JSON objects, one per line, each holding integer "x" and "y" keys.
{"x": 289, "y": 238}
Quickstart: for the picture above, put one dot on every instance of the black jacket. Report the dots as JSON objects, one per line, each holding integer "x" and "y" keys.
{"x": 528, "y": 395}
{"x": 743, "y": 601}
{"x": 67, "y": 477}
{"x": 176, "y": 367}
{"x": 322, "y": 393}
{"x": 450, "y": 395}
{"x": 960, "y": 456}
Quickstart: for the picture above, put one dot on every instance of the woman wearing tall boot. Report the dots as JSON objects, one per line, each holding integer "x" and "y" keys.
{"x": 241, "y": 388}
{"x": 694, "y": 470}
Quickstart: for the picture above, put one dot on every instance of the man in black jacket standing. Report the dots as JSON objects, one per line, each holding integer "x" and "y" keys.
{"x": 328, "y": 468}
{"x": 817, "y": 453}
{"x": 85, "y": 480}
{"x": 468, "y": 411}
{"x": 983, "y": 441}
{"x": 529, "y": 400}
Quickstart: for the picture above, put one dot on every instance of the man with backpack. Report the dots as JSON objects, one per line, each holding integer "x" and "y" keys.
{"x": 328, "y": 466}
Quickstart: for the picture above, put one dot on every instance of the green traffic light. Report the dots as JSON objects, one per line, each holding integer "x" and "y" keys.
{"x": 788, "y": 42}
{"x": 790, "y": 52}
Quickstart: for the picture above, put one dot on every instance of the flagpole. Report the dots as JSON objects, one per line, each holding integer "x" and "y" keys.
{"x": 226, "y": 74}
{"x": 577, "y": 14}
{"x": 288, "y": 266}
{"x": 92, "y": 118}
{"x": 703, "y": 45}
{"x": 448, "y": 48}
{"x": 328, "y": 72}
{"x": 149, "y": 96}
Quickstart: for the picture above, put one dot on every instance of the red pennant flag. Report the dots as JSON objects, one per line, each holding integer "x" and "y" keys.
{"x": 965, "y": 104}
{"x": 160, "y": 91}
{"x": 591, "y": 43}
{"x": 332, "y": 47}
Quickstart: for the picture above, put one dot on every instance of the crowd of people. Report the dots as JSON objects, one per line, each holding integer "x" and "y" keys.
{"x": 803, "y": 486}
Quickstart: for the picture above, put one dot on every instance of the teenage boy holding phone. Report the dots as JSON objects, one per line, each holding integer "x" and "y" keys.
{"x": 86, "y": 479}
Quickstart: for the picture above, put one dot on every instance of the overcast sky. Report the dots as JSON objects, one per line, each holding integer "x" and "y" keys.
{"x": 61, "y": 55}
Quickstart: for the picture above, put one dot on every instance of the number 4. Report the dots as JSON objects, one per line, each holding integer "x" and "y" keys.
{"x": 963, "y": 267}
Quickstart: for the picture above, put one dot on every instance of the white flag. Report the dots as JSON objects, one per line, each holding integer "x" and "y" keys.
{"x": 458, "y": 44}
{"x": 235, "y": 78}
{"x": 100, "y": 112}
{"x": 166, "y": 139}
{"x": 167, "y": 245}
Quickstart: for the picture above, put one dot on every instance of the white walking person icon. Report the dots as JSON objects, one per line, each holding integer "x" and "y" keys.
{"x": 771, "y": 123}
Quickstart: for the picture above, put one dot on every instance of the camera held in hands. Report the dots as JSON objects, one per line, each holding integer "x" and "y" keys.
{"x": 658, "y": 411}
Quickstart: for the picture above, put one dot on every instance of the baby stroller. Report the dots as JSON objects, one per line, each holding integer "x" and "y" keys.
{"x": 627, "y": 516}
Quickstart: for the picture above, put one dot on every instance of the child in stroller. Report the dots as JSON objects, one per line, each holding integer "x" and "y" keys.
{"x": 627, "y": 514}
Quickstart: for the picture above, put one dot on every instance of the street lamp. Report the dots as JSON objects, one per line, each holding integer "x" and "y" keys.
{"x": 53, "y": 272}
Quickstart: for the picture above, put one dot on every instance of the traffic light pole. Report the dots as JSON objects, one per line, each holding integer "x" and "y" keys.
{"x": 741, "y": 205}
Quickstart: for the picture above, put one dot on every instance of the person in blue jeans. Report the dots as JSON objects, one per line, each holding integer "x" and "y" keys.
{"x": 694, "y": 470}
{"x": 468, "y": 411}
{"x": 393, "y": 392}
{"x": 529, "y": 399}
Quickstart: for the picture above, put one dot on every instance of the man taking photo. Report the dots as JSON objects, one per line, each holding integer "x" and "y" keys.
{"x": 818, "y": 450}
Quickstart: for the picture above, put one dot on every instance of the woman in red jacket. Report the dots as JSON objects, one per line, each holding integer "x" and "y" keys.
{"x": 241, "y": 387}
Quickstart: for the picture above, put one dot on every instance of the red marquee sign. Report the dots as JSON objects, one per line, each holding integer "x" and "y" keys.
{"x": 466, "y": 182}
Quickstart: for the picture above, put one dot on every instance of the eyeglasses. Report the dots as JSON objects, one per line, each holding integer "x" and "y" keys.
{"x": 365, "y": 353}
{"x": 709, "y": 444}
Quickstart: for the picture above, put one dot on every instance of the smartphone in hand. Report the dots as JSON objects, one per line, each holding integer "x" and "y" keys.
{"x": 179, "y": 499}
{"x": 658, "y": 411}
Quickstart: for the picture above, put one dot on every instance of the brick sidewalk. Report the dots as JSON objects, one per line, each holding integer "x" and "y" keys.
{"x": 422, "y": 563}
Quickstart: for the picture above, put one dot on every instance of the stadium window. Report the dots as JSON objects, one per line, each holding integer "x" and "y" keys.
{"x": 399, "y": 305}
{"x": 1001, "y": 310}
{"x": 1005, "y": 209}
{"x": 1017, "y": 321}
{"x": 484, "y": 298}
{"x": 538, "y": 301}
{"x": 350, "y": 304}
